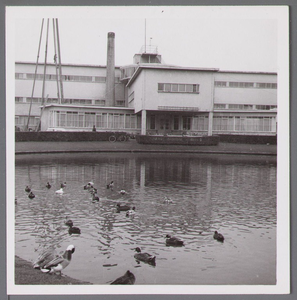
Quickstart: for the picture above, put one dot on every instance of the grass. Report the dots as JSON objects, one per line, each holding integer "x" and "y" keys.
{"x": 25, "y": 274}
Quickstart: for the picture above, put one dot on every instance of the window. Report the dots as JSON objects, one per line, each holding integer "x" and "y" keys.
{"x": 100, "y": 102}
{"x": 220, "y": 83}
{"x": 89, "y": 119}
{"x": 100, "y": 79}
{"x": 120, "y": 103}
{"x": 72, "y": 119}
{"x": 178, "y": 88}
{"x": 219, "y": 106}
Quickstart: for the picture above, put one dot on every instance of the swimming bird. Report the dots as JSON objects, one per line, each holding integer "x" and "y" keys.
{"x": 95, "y": 197}
{"x": 110, "y": 185}
{"x": 167, "y": 200}
{"x": 127, "y": 278}
{"x": 218, "y": 236}
{"x": 44, "y": 258}
{"x": 122, "y": 192}
{"x": 123, "y": 207}
{"x": 72, "y": 229}
{"x": 60, "y": 191}
{"x": 27, "y": 189}
{"x": 130, "y": 212}
{"x": 48, "y": 185}
{"x": 145, "y": 257}
{"x": 173, "y": 241}
{"x": 63, "y": 184}
{"x": 31, "y": 195}
{"x": 60, "y": 262}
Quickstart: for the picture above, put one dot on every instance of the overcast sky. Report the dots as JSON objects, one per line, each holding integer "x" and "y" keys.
{"x": 228, "y": 38}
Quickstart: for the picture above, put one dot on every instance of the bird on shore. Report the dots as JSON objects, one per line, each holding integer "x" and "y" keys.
{"x": 48, "y": 185}
{"x": 130, "y": 212}
{"x": 44, "y": 258}
{"x": 123, "y": 207}
{"x": 127, "y": 278}
{"x": 60, "y": 191}
{"x": 218, "y": 236}
{"x": 173, "y": 241}
{"x": 59, "y": 263}
{"x": 31, "y": 195}
{"x": 145, "y": 257}
{"x": 27, "y": 189}
{"x": 63, "y": 184}
{"x": 110, "y": 185}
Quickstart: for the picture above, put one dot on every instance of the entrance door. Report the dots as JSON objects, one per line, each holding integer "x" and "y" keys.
{"x": 164, "y": 125}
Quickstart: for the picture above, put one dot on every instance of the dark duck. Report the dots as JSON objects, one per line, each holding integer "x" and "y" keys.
{"x": 145, "y": 257}
{"x": 31, "y": 195}
{"x": 218, "y": 236}
{"x": 27, "y": 189}
{"x": 48, "y": 185}
{"x": 95, "y": 197}
{"x": 110, "y": 185}
{"x": 127, "y": 278}
{"x": 123, "y": 207}
{"x": 173, "y": 241}
{"x": 72, "y": 229}
{"x": 63, "y": 184}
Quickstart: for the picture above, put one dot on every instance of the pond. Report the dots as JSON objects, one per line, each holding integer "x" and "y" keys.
{"x": 235, "y": 195}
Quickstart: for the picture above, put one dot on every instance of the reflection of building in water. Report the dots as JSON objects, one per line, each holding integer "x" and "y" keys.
{"x": 148, "y": 97}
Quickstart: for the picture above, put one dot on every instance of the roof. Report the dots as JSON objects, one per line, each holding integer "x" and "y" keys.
{"x": 166, "y": 67}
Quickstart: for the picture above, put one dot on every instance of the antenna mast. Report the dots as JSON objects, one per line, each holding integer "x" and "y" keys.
{"x": 144, "y": 35}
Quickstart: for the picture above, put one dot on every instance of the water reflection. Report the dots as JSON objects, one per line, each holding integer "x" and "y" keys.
{"x": 235, "y": 195}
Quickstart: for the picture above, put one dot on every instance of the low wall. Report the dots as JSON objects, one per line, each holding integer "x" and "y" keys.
{"x": 248, "y": 139}
{"x": 63, "y": 136}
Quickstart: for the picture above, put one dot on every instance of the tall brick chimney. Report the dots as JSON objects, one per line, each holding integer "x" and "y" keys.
{"x": 110, "y": 71}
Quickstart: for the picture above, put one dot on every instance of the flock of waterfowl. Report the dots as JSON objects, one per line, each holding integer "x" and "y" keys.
{"x": 50, "y": 262}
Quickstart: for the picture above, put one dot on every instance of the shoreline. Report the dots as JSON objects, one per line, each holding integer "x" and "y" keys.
{"x": 26, "y": 275}
{"x": 131, "y": 146}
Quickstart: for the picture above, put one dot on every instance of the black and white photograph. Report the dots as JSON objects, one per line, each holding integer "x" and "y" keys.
{"x": 147, "y": 150}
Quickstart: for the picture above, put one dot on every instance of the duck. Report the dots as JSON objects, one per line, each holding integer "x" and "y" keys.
{"x": 93, "y": 190}
{"x": 110, "y": 185}
{"x": 122, "y": 192}
{"x": 63, "y": 184}
{"x": 130, "y": 212}
{"x": 31, "y": 195}
{"x": 173, "y": 241}
{"x": 60, "y": 262}
{"x": 95, "y": 197}
{"x": 44, "y": 258}
{"x": 218, "y": 236}
{"x": 145, "y": 257}
{"x": 27, "y": 189}
{"x": 90, "y": 183}
{"x": 72, "y": 229}
{"x": 48, "y": 185}
{"x": 167, "y": 200}
{"x": 60, "y": 191}
{"x": 123, "y": 207}
{"x": 127, "y": 278}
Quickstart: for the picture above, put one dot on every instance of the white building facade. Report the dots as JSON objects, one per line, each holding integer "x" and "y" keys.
{"x": 149, "y": 98}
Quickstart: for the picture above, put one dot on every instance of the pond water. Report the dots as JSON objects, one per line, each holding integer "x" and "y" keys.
{"x": 235, "y": 195}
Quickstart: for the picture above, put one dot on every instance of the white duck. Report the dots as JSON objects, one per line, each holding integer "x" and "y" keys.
{"x": 60, "y": 191}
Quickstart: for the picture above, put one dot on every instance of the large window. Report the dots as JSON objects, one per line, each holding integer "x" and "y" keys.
{"x": 178, "y": 88}
{"x": 186, "y": 123}
{"x": 153, "y": 122}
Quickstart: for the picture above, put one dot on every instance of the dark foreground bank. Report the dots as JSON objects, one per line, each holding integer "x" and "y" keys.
{"x": 25, "y": 274}
{"x": 133, "y": 147}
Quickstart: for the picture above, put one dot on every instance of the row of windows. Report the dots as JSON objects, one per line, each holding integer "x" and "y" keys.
{"x": 178, "y": 88}
{"x": 244, "y": 106}
{"x": 68, "y": 101}
{"x": 22, "y": 120}
{"x": 235, "y": 84}
{"x": 78, "y": 78}
{"x": 244, "y": 124}
{"x": 180, "y": 123}
{"x": 88, "y": 119}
